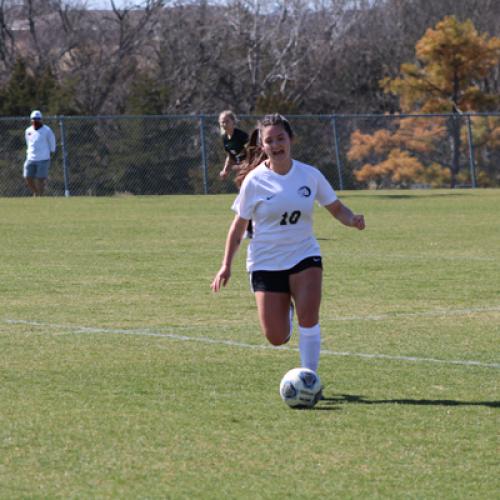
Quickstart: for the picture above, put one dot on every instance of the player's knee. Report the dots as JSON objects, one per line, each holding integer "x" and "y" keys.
{"x": 277, "y": 340}
{"x": 308, "y": 319}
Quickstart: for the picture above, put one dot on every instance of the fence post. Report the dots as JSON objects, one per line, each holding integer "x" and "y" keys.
{"x": 64, "y": 156}
{"x": 337, "y": 152}
{"x": 472, "y": 164}
{"x": 203, "y": 154}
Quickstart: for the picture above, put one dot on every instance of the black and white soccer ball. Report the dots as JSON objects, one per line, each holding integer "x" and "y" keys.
{"x": 300, "y": 388}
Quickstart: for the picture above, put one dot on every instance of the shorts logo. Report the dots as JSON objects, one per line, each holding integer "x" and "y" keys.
{"x": 304, "y": 191}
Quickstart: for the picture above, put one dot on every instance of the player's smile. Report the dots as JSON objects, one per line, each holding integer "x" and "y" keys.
{"x": 278, "y": 152}
{"x": 277, "y": 145}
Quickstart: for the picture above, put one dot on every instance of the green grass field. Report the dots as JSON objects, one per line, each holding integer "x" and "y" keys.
{"x": 123, "y": 376}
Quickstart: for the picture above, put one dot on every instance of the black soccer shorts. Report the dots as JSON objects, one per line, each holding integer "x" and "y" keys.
{"x": 278, "y": 281}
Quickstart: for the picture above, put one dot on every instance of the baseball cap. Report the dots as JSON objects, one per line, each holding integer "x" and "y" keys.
{"x": 36, "y": 115}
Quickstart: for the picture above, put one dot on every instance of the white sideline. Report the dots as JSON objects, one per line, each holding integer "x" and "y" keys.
{"x": 151, "y": 333}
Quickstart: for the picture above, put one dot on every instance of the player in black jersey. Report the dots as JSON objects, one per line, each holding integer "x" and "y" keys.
{"x": 233, "y": 140}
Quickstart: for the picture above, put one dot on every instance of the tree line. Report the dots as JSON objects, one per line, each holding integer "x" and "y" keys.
{"x": 254, "y": 56}
{"x": 320, "y": 57}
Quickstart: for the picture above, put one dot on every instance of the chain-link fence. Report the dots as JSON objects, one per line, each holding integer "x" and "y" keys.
{"x": 153, "y": 155}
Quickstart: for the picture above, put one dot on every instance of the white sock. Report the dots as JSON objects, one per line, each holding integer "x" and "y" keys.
{"x": 310, "y": 346}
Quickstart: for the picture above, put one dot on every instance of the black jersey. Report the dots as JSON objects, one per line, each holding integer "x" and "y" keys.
{"x": 235, "y": 147}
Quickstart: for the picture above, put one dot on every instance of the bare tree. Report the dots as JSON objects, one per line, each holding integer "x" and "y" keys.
{"x": 318, "y": 56}
{"x": 102, "y": 51}
{"x": 7, "y": 50}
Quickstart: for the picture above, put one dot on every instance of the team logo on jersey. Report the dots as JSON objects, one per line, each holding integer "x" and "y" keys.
{"x": 304, "y": 191}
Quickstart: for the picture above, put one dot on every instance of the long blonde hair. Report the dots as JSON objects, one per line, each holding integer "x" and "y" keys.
{"x": 226, "y": 114}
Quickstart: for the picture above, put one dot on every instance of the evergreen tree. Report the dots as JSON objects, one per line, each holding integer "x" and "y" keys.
{"x": 19, "y": 96}
{"x": 147, "y": 97}
{"x": 25, "y": 91}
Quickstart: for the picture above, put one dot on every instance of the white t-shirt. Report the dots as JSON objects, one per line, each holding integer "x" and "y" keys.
{"x": 40, "y": 143}
{"x": 281, "y": 208}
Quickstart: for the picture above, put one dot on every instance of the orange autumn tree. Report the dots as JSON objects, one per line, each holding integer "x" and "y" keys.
{"x": 405, "y": 151}
{"x": 486, "y": 140}
{"x": 453, "y": 62}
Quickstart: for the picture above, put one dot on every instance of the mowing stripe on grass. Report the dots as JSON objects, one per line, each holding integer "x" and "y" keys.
{"x": 152, "y": 333}
{"x": 435, "y": 313}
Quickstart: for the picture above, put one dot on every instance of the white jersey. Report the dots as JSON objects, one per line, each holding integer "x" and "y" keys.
{"x": 281, "y": 208}
{"x": 40, "y": 143}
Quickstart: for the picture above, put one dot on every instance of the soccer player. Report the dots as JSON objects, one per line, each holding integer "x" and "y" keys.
{"x": 40, "y": 144}
{"x": 283, "y": 259}
{"x": 233, "y": 140}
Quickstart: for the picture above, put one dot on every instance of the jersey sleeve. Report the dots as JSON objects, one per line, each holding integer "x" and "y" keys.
{"x": 236, "y": 204}
{"x": 244, "y": 203}
{"x": 325, "y": 194}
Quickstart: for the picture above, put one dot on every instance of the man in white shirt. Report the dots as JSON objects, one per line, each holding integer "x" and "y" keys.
{"x": 40, "y": 143}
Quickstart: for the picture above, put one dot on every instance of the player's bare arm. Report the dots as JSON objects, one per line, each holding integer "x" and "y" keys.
{"x": 228, "y": 166}
{"x": 233, "y": 242}
{"x": 344, "y": 215}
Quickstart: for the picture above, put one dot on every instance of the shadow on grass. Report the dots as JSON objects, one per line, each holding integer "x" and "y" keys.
{"x": 332, "y": 403}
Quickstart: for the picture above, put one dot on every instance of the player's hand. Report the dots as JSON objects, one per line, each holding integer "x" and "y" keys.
{"x": 358, "y": 221}
{"x": 221, "y": 279}
{"x": 223, "y": 174}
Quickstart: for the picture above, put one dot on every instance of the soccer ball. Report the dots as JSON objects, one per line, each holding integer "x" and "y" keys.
{"x": 300, "y": 388}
